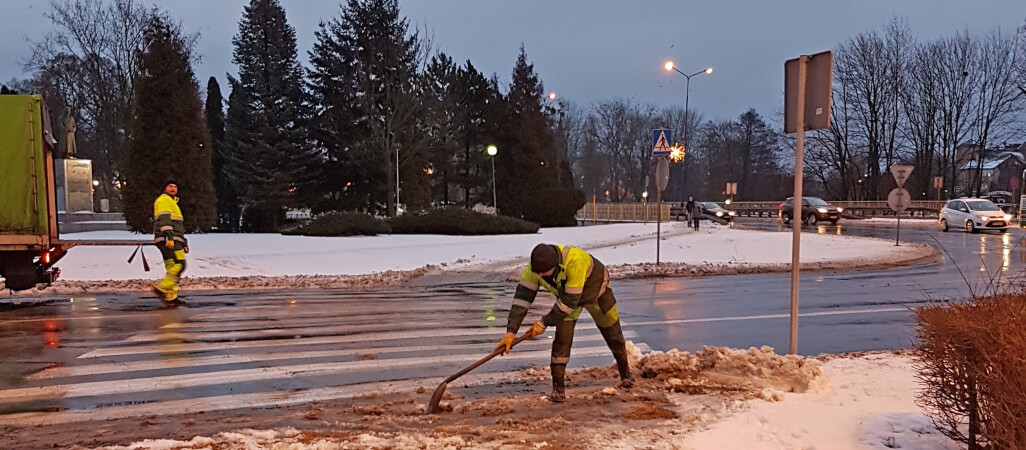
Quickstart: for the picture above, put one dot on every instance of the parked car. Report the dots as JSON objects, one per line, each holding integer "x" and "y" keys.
{"x": 814, "y": 209}
{"x": 973, "y": 214}
{"x": 714, "y": 211}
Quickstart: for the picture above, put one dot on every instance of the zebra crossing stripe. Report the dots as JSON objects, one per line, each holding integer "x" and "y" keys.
{"x": 200, "y": 361}
{"x": 168, "y": 382}
{"x": 307, "y": 341}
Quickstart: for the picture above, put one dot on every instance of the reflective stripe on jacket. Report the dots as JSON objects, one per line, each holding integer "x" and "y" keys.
{"x": 167, "y": 220}
{"x": 579, "y": 279}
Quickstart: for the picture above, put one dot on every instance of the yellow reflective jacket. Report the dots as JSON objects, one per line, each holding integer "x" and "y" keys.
{"x": 168, "y": 222}
{"x": 579, "y": 279}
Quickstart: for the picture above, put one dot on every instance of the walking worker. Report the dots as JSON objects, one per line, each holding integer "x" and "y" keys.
{"x": 579, "y": 281}
{"x": 169, "y": 236}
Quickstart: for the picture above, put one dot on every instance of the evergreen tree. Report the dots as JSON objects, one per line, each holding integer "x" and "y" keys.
{"x": 527, "y": 163}
{"x": 274, "y": 164}
{"x": 366, "y": 61}
{"x": 228, "y": 214}
{"x": 479, "y": 95}
{"x": 166, "y": 135}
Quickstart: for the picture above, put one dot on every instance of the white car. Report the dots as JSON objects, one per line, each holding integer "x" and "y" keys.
{"x": 973, "y": 214}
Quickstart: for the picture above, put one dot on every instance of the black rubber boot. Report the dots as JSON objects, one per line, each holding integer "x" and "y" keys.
{"x": 558, "y": 388}
{"x": 618, "y": 345}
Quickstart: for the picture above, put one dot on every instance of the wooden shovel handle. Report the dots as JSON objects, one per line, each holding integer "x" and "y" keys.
{"x": 495, "y": 353}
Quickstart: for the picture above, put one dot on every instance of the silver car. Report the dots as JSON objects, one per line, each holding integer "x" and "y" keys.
{"x": 973, "y": 214}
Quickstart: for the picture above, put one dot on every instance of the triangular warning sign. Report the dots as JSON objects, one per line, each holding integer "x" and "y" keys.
{"x": 661, "y": 144}
{"x": 901, "y": 173}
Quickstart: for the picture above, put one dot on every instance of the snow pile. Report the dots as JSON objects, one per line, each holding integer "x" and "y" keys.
{"x": 752, "y": 369}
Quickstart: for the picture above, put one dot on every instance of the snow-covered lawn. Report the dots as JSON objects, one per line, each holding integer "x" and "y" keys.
{"x": 225, "y": 261}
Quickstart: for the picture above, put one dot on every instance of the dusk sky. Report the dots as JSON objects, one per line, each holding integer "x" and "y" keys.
{"x": 588, "y": 51}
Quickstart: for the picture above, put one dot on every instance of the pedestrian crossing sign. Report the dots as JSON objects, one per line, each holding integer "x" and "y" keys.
{"x": 661, "y": 142}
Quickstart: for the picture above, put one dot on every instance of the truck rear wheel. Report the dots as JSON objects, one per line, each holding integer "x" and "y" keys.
{"x": 18, "y": 271}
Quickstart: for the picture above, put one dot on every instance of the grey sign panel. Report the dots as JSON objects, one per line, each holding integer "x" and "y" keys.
{"x": 899, "y": 199}
{"x": 662, "y": 173}
{"x": 819, "y": 75}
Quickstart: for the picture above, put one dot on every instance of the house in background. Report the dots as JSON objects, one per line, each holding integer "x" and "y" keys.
{"x": 1000, "y": 175}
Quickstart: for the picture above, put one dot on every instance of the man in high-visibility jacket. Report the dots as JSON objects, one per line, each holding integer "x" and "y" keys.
{"x": 169, "y": 236}
{"x": 579, "y": 281}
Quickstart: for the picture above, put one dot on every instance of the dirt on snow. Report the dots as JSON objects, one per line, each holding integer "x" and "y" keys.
{"x": 675, "y": 393}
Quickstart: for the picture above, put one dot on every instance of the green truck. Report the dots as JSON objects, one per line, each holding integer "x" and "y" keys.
{"x": 29, "y": 240}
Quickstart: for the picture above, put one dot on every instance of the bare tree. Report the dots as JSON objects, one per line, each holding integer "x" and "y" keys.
{"x": 569, "y": 131}
{"x": 622, "y": 133}
{"x": 87, "y": 64}
{"x": 952, "y": 60}
{"x": 920, "y": 102}
{"x": 997, "y": 98}
{"x": 870, "y": 67}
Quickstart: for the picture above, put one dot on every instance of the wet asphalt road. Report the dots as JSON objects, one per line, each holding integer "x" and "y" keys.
{"x": 839, "y": 312}
{"x": 69, "y": 359}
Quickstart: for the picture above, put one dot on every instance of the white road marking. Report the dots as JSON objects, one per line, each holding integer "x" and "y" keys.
{"x": 168, "y": 382}
{"x": 200, "y": 361}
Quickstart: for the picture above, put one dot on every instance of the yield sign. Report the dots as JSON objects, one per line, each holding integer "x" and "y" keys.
{"x": 901, "y": 174}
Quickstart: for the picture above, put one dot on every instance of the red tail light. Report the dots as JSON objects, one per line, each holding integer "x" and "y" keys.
{"x": 46, "y": 258}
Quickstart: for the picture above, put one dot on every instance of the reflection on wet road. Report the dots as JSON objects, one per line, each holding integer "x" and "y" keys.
{"x": 105, "y": 356}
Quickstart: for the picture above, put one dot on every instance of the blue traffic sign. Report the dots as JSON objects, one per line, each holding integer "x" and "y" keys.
{"x": 661, "y": 142}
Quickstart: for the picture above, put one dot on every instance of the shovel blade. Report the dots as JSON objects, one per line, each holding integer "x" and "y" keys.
{"x": 436, "y": 397}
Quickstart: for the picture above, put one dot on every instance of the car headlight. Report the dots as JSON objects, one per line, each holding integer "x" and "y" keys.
{"x": 822, "y": 210}
{"x": 719, "y": 213}
{"x": 839, "y": 209}
{"x": 732, "y": 213}
{"x": 1008, "y": 217}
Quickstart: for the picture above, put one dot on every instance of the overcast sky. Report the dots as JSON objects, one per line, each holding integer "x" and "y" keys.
{"x": 592, "y": 50}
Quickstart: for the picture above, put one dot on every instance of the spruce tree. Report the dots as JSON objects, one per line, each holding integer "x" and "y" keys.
{"x": 370, "y": 56}
{"x": 478, "y": 94}
{"x": 166, "y": 136}
{"x": 228, "y": 214}
{"x": 274, "y": 164}
{"x": 527, "y": 166}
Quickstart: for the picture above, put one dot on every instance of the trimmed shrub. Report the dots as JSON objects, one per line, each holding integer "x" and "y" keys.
{"x": 969, "y": 360}
{"x": 338, "y": 223}
{"x": 459, "y": 222}
{"x": 554, "y": 207}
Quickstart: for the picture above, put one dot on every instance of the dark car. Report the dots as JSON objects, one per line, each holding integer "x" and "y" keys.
{"x": 814, "y": 209}
{"x": 713, "y": 211}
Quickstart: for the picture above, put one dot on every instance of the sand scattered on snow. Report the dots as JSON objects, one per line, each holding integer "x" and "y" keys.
{"x": 677, "y": 393}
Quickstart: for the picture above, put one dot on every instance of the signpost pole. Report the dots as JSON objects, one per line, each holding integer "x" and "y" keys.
{"x": 797, "y": 204}
{"x": 659, "y": 220}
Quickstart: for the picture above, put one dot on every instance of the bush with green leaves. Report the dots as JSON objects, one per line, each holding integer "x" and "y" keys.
{"x": 338, "y": 223}
{"x": 459, "y": 222}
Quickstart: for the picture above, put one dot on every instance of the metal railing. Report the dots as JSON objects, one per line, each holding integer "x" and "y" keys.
{"x": 624, "y": 212}
{"x": 646, "y": 212}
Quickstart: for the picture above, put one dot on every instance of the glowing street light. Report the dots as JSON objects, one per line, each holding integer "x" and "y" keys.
{"x": 687, "y": 93}
{"x": 492, "y": 151}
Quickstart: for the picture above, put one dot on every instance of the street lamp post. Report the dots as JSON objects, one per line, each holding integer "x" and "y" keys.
{"x": 687, "y": 93}
{"x": 492, "y": 151}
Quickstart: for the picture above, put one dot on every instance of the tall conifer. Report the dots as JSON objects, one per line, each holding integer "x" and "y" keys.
{"x": 228, "y": 215}
{"x": 274, "y": 164}
{"x": 167, "y": 137}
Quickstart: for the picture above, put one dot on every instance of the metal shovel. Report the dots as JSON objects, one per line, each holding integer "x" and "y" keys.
{"x": 440, "y": 390}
